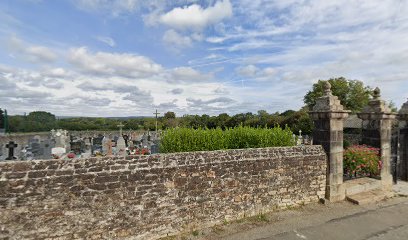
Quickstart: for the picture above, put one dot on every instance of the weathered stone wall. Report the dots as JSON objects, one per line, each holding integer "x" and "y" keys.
{"x": 151, "y": 196}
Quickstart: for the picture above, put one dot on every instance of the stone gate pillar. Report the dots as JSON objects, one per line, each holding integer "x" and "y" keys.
{"x": 377, "y": 123}
{"x": 403, "y": 139}
{"x": 328, "y": 116}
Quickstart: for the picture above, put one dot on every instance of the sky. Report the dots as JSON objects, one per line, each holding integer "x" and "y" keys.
{"x": 120, "y": 58}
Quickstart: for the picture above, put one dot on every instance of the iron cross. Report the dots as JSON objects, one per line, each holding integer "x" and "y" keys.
{"x": 11, "y": 145}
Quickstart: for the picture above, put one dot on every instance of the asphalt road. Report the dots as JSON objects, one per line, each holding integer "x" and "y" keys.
{"x": 390, "y": 222}
{"x": 384, "y": 220}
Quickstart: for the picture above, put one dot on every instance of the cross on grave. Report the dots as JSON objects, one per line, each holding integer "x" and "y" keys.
{"x": 156, "y": 113}
{"x": 11, "y": 145}
{"x": 120, "y": 126}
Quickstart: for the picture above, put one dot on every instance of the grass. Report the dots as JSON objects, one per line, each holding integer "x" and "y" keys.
{"x": 261, "y": 217}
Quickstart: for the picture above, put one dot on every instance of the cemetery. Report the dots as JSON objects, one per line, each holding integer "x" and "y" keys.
{"x": 59, "y": 143}
{"x": 108, "y": 187}
{"x": 203, "y": 120}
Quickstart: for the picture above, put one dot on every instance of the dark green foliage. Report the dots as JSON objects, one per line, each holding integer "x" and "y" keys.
{"x": 43, "y": 121}
{"x": 299, "y": 120}
{"x": 38, "y": 121}
{"x": 352, "y": 94}
{"x": 169, "y": 115}
{"x": 189, "y": 139}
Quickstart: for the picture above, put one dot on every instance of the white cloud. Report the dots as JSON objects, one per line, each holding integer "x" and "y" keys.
{"x": 189, "y": 75}
{"x": 56, "y": 72}
{"x": 140, "y": 98}
{"x": 31, "y": 53}
{"x": 116, "y": 6}
{"x": 176, "y": 91}
{"x": 174, "y": 39}
{"x": 41, "y": 53}
{"x": 118, "y": 64}
{"x": 107, "y": 40}
{"x": 196, "y": 17}
{"x": 221, "y": 91}
{"x": 247, "y": 71}
{"x": 53, "y": 83}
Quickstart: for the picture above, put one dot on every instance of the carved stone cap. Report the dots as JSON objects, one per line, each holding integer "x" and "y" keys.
{"x": 377, "y": 105}
{"x": 329, "y": 102}
{"x": 376, "y": 109}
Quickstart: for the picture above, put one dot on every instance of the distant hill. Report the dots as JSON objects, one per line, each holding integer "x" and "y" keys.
{"x": 121, "y": 118}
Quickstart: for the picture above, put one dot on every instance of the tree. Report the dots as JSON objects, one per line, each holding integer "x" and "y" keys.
{"x": 352, "y": 94}
{"x": 222, "y": 120}
{"x": 169, "y": 115}
{"x": 40, "y": 121}
{"x": 299, "y": 120}
{"x": 392, "y": 107}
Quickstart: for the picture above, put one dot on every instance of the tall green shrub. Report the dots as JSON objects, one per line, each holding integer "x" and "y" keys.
{"x": 188, "y": 139}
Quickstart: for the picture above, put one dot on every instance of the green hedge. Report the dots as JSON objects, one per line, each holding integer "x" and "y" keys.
{"x": 189, "y": 140}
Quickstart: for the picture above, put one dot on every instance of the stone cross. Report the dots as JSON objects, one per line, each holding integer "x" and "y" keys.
{"x": 11, "y": 145}
{"x": 156, "y": 113}
{"x": 120, "y": 126}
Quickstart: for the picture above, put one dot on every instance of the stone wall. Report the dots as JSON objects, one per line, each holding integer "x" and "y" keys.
{"x": 152, "y": 196}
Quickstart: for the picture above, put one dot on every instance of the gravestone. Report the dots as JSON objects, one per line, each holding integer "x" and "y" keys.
{"x": 105, "y": 142}
{"x": 121, "y": 144}
{"x": 154, "y": 149}
{"x": 97, "y": 144}
{"x": 11, "y": 145}
{"x": 60, "y": 137}
{"x": 97, "y": 140}
{"x": 36, "y": 149}
{"x": 108, "y": 147}
{"x": 88, "y": 143}
{"x": 26, "y": 153}
{"x": 46, "y": 146}
{"x": 76, "y": 147}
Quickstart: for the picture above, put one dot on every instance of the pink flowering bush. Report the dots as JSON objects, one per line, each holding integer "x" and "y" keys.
{"x": 362, "y": 160}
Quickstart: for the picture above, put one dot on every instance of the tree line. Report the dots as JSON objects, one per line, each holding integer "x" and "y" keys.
{"x": 39, "y": 121}
{"x": 352, "y": 94}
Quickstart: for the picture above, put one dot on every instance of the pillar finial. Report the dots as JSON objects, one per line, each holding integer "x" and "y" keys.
{"x": 327, "y": 88}
{"x": 377, "y": 93}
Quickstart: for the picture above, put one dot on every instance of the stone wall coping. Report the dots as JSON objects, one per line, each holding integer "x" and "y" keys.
{"x": 329, "y": 114}
{"x": 376, "y": 115}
